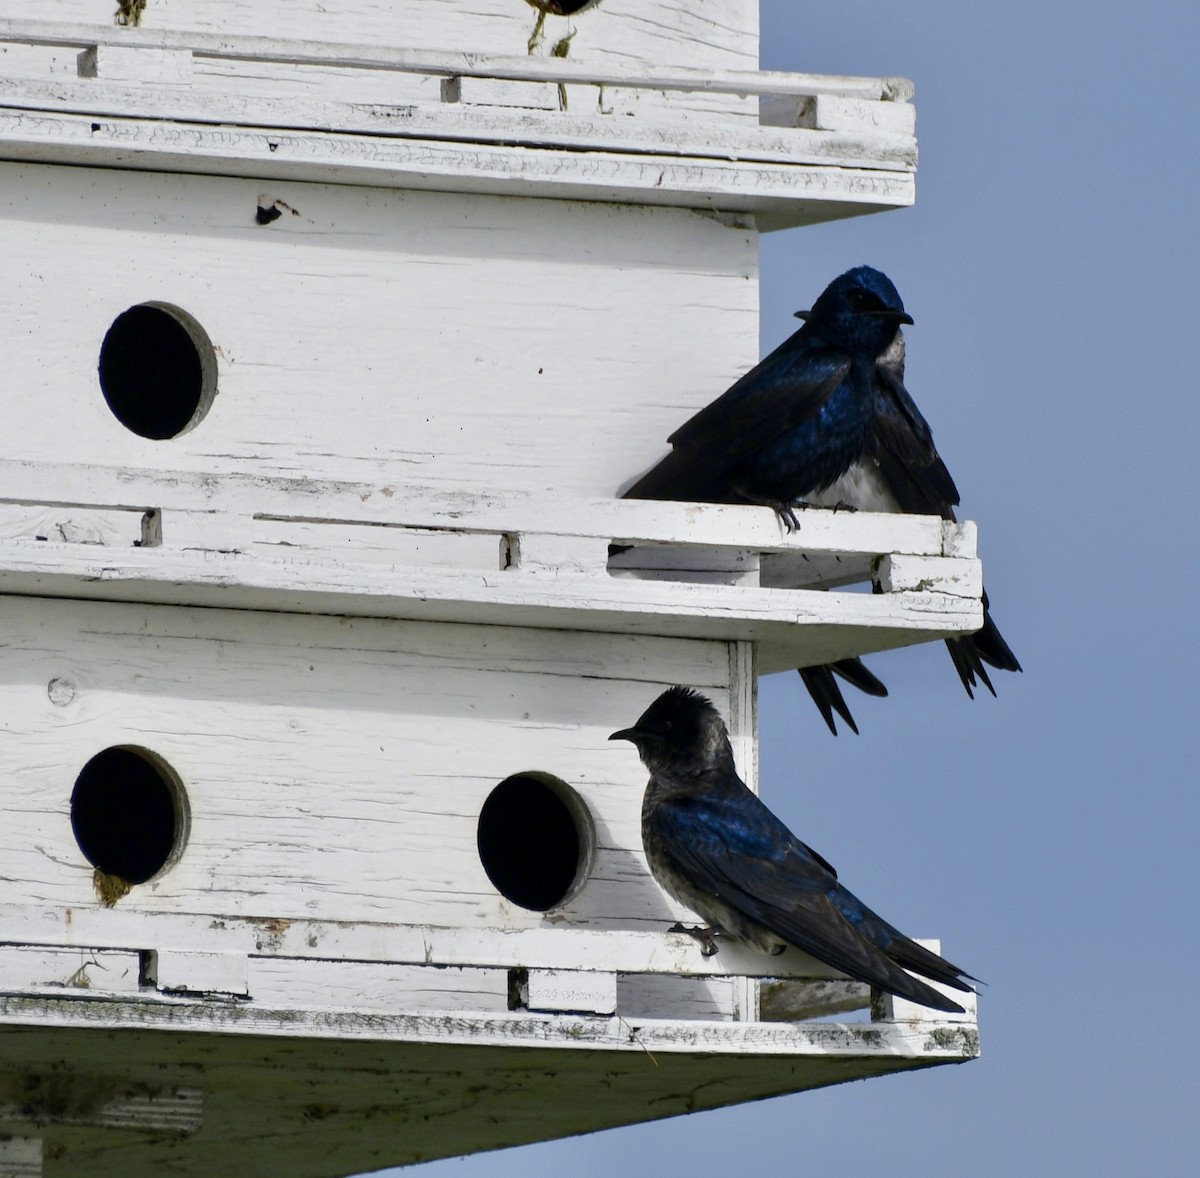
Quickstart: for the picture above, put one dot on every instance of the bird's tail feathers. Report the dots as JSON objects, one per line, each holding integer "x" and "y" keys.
{"x": 884, "y": 973}
{"x": 827, "y": 695}
{"x": 855, "y": 672}
{"x": 985, "y": 646}
{"x": 927, "y": 963}
{"x": 857, "y": 954}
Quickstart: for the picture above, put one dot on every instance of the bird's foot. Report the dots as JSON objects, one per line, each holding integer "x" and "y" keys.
{"x": 785, "y": 513}
{"x": 708, "y": 945}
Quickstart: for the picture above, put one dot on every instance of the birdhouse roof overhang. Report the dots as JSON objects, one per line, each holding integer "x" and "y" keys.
{"x": 806, "y": 147}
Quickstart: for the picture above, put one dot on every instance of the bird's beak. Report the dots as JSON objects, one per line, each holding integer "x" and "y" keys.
{"x": 625, "y": 734}
{"x": 801, "y": 315}
{"x": 898, "y": 316}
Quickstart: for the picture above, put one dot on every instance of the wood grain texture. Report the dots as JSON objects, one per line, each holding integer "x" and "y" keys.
{"x": 333, "y": 767}
{"x": 701, "y": 34}
{"x": 430, "y": 339}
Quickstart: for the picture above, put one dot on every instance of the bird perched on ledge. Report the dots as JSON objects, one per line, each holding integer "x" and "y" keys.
{"x": 714, "y": 846}
{"x": 825, "y": 421}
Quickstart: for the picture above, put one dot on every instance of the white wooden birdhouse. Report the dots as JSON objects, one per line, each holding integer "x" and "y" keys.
{"x": 332, "y": 332}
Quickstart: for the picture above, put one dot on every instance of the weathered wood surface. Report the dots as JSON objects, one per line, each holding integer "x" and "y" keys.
{"x": 306, "y": 545}
{"x": 334, "y": 767}
{"x": 792, "y": 627}
{"x": 409, "y": 338}
{"x": 386, "y": 54}
{"x": 698, "y": 34}
{"x": 288, "y": 1107}
{"x": 778, "y": 195}
{"x": 584, "y": 128}
{"x": 940, "y": 1040}
{"x": 550, "y": 943}
{"x": 271, "y": 505}
{"x": 616, "y": 123}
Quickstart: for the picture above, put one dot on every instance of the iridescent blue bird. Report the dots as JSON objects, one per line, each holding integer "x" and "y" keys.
{"x": 825, "y": 421}
{"x": 714, "y": 846}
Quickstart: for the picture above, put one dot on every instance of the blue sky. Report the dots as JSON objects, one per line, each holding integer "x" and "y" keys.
{"x": 1049, "y": 836}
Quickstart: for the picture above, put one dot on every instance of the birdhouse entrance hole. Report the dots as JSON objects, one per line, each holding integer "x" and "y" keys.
{"x": 128, "y": 812}
{"x": 158, "y": 370}
{"x": 535, "y": 840}
{"x": 563, "y": 7}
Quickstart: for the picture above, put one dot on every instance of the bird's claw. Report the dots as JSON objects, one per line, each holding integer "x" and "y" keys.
{"x": 708, "y": 946}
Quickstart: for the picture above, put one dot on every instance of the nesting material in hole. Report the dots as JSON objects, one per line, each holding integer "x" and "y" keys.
{"x": 158, "y": 370}
{"x": 535, "y": 839}
{"x": 129, "y": 815}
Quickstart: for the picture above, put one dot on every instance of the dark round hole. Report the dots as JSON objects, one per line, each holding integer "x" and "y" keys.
{"x": 127, "y": 812}
{"x": 563, "y": 7}
{"x": 534, "y": 840}
{"x": 157, "y": 370}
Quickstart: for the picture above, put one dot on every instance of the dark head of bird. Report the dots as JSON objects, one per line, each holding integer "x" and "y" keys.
{"x": 859, "y": 311}
{"x": 681, "y": 734}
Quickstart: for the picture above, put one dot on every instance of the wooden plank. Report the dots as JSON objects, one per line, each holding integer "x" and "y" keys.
{"x": 449, "y": 64}
{"x": 780, "y": 194}
{"x": 70, "y": 525}
{"x": 571, "y": 991}
{"x": 930, "y": 574}
{"x": 785, "y": 1001}
{"x": 641, "y": 996}
{"x": 155, "y": 67}
{"x": 933, "y": 1039}
{"x": 626, "y": 951}
{"x": 96, "y": 970}
{"x": 192, "y": 972}
{"x": 368, "y": 985}
{"x": 20, "y": 1157}
{"x": 467, "y": 124}
{"x": 791, "y": 626}
{"x": 283, "y": 501}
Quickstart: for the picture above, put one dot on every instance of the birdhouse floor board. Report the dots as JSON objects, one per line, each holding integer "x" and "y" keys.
{"x": 273, "y": 945}
{"x": 792, "y": 627}
{"x": 680, "y": 570}
{"x": 286, "y": 1107}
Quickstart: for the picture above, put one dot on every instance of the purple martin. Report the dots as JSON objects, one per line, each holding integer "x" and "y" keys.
{"x": 825, "y": 421}
{"x": 716, "y": 848}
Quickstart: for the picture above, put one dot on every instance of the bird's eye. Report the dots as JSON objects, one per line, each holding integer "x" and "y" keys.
{"x": 863, "y": 300}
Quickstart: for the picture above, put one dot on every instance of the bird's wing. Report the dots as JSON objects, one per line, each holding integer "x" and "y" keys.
{"x": 786, "y": 389}
{"x": 734, "y": 848}
{"x": 902, "y": 445}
